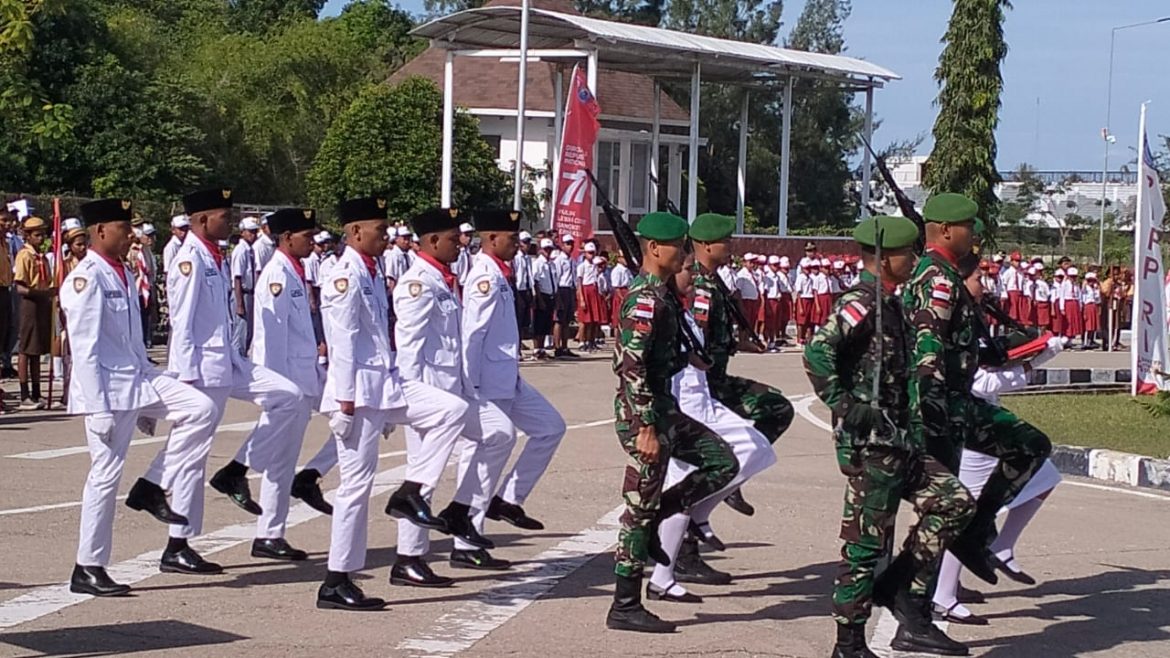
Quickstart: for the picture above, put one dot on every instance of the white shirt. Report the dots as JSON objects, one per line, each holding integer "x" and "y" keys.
{"x": 820, "y": 283}
{"x": 1091, "y": 295}
{"x": 1011, "y": 278}
{"x": 169, "y": 252}
{"x": 243, "y": 266}
{"x": 620, "y": 277}
{"x": 490, "y": 334}
{"x": 462, "y": 265}
{"x": 396, "y": 262}
{"x": 262, "y": 250}
{"x": 522, "y": 270}
{"x": 587, "y": 273}
{"x": 745, "y": 283}
{"x": 767, "y": 284}
{"x": 726, "y": 273}
{"x": 200, "y": 348}
{"x": 328, "y": 262}
{"x": 312, "y": 265}
{"x": 804, "y": 285}
{"x": 543, "y": 276}
{"x": 1040, "y": 291}
{"x": 428, "y": 330}
{"x": 564, "y": 269}
{"x": 284, "y": 341}
{"x": 783, "y": 283}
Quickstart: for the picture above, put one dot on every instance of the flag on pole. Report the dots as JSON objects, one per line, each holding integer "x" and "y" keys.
{"x": 1148, "y": 352}
{"x": 573, "y": 211}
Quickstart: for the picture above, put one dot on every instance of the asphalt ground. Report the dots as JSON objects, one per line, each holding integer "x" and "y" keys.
{"x": 1100, "y": 553}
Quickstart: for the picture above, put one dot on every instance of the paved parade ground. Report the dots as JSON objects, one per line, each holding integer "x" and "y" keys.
{"x": 1100, "y": 553}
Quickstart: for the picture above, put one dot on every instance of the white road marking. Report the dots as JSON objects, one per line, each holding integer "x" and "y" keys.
{"x": 884, "y": 631}
{"x": 470, "y": 622}
{"x": 84, "y": 450}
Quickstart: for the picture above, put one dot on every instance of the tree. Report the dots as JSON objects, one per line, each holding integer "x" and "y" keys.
{"x": 970, "y": 85}
{"x": 388, "y": 141}
{"x": 263, "y": 16}
{"x": 1028, "y": 189}
{"x": 383, "y": 30}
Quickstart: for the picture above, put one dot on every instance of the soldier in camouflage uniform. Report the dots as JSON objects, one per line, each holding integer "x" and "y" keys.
{"x": 945, "y": 357}
{"x": 883, "y": 461}
{"x": 650, "y": 425}
{"x": 765, "y": 406}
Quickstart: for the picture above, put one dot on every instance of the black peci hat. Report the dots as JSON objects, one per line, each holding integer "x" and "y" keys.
{"x": 103, "y": 211}
{"x": 497, "y": 219}
{"x": 436, "y": 220}
{"x": 292, "y": 219}
{"x": 204, "y": 200}
{"x": 361, "y": 210}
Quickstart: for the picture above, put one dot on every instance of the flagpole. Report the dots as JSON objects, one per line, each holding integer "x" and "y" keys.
{"x": 53, "y": 305}
{"x": 1139, "y": 234}
{"x": 518, "y": 184}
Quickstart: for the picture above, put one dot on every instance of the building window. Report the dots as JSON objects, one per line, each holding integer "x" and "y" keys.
{"x": 639, "y": 177}
{"x": 494, "y": 142}
{"x": 609, "y": 170}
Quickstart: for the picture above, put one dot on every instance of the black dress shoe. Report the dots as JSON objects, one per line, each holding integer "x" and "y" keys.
{"x": 235, "y": 487}
{"x": 306, "y": 487}
{"x": 414, "y": 572}
{"x": 459, "y": 525}
{"x": 1017, "y": 575}
{"x": 949, "y": 615}
{"x": 95, "y": 582}
{"x": 347, "y": 596}
{"x": 736, "y": 501}
{"x": 146, "y": 496}
{"x": 187, "y": 561}
{"x": 928, "y": 639}
{"x": 656, "y": 593}
{"x": 277, "y": 549}
{"x": 411, "y": 506}
{"x": 689, "y": 567}
{"x": 501, "y": 510}
{"x": 966, "y": 595}
{"x": 706, "y": 535}
{"x": 976, "y": 558}
{"x": 479, "y": 559}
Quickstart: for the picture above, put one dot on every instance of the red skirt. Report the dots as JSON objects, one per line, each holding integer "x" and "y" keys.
{"x": 804, "y": 311}
{"x": 1057, "y": 320}
{"x": 592, "y": 308}
{"x": 1026, "y": 312}
{"x": 1043, "y": 314}
{"x": 619, "y": 298}
{"x": 1092, "y": 315}
{"x": 771, "y": 316}
{"x": 1073, "y": 326}
{"x": 824, "y": 307}
{"x": 751, "y": 311}
{"x": 1013, "y": 309}
{"x": 784, "y": 314}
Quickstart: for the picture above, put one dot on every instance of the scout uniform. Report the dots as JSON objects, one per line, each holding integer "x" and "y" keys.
{"x": 112, "y": 383}
{"x": 491, "y": 358}
{"x": 35, "y": 284}
{"x": 430, "y": 350}
{"x": 880, "y": 455}
{"x": 363, "y": 370}
{"x": 201, "y": 354}
{"x": 285, "y": 344}
{"x": 647, "y": 355}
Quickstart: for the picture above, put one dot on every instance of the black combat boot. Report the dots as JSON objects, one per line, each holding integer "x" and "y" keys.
{"x": 916, "y": 632}
{"x": 851, "y": 642}
{"x": 689, "y": 566}
{"x": 627, "y": 613}
{"x": 895, "y": 578}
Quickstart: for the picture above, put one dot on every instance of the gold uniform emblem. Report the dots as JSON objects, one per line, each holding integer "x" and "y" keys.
{"x": 227, "y": 193}
{"x": 415, "y": 288}
{"x": 341, "y": 285}
{"x": 381, "y": 204}
{"x": 79, "y": 284}
{"x": 185, "y": 268}
{"x": 275, "y": 288}
{"x": 484, "y": 287}
{"x": 454, "y": 212}
{"x": 515, "y": 216}
{"x": 125, "y": 204}
{"x": 308, "y": 214}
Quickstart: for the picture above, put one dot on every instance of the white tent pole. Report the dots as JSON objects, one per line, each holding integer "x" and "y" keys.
{"x": 865, "y": 156}
{"x": 518, "y": 184}
{"x": 785, "y": 152}
{"x": 741, "y": 170}
{"x": 591, "y": 80}
{"x": 693, "y": 146}
{"x": 655, "y": 132}
{"x": 448, "y": 127}
{"x": 558, "y": 128}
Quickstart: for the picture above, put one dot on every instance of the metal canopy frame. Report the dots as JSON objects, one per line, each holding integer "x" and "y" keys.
{"x": 496, "y": 31}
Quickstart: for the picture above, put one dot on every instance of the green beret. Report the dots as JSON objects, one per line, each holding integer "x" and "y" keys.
{"x": 662, "y": 227}
{"x": 980, "y": 227}
{"x": 949, "y": 208}
{"x": 712, "y": 227}
{"x": 897, "y": 232}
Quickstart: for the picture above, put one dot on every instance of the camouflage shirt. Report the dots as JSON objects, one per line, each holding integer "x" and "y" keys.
{"x": 946, "y": 349}
{"x": 711, "y": 309}
{"x": 646, "y": 354}
{"x": 841, "y": 361}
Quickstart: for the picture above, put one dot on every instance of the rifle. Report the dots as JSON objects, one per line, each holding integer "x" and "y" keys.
{"x": 879, "y": 328}
{"x": 904, "y": 202}
{"x": 736, "y": 310}
{"x": 627, "y": 241}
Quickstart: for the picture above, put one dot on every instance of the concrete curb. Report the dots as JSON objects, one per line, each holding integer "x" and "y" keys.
{"x": 1064, "y": 377}
{"x": 1113, "y": 466}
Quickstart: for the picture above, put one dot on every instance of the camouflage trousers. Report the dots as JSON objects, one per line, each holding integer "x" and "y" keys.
{"x": 879, "y": 478}
{"x": 682, "y": 438}
{"x": 766, "y": 407}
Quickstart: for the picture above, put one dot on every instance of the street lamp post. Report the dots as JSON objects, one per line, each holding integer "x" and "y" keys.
{"x": 1106, "y": 134}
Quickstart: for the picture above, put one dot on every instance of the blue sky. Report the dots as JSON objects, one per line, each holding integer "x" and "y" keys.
{"x": 1055, "y": 73}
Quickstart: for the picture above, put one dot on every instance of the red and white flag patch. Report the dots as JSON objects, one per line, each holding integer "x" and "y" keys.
{"x": 853, "y": 313}
{"x": 940, "y": 294}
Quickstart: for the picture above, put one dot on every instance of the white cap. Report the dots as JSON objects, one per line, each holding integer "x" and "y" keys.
{"x": 70, "y": 223}
{"x": 784, "y": 262}
{"x": 838, "y": 264}
{"x": 566, "y": 238}
{"x": 321, "y": 237}
{"x": 590, "y": 247}
{"x": 806, "y": 262}
{"x": 249, "y": 224}
{"x": 825, "y": 262}
{"x": 137, "y": 232}
{"x": 546, "y": 243}
{"x": 1072, "y": 271}
{"x": 402, "y": 231}
{"x": 1058, "y": 272}
{"x": 761, "y": 259}
{"x": 1031, "y": 270}
{"x": 223, "y": 243}
{"x": 180, "y": 221}
{"x": 998, "y": 258}
{"x": 414, "y": 237}
{"x": 466, "y": 228}
{"x": 525, "y": 236}
{"x": 749, "y": 256}
{"x": 148, "y": 229}
{"x": 773, "y": 260}
{"x": 599, "y": 261}
{"x": 264, "y": 218}
{"x": 1091, "y": 276}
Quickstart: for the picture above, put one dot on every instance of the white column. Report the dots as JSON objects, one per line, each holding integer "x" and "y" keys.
{"x": 785, "y": 152}
{"x": 865, "y": 156}
{"x": 448, "y": 127}
{"x": 741, "y": 170}
{"x": 655, "y": 132}
{"x": 518, "y": 183}
{"x": 591, "y": 80}
{"x": 693, "y": 155}
{"x": 674, "y": 185}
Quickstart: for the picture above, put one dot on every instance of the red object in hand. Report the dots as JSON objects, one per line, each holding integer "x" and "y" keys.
{"x": 1030, "y": 349}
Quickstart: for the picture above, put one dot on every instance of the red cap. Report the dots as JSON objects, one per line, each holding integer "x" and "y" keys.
{"x": 1015, "y": 255}
{"x": 983, "y": 264}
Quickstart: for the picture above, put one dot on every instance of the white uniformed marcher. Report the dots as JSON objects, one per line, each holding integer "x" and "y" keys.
{"x": 364, "y": 391}
{"x": 113, "y": 383}
{"x": 428, "y": 336}
{"x": 201, "y": 355}
{"x": 491, "y": 361}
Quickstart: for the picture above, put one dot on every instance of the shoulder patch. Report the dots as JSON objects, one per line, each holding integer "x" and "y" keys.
{"x": 275, "y": 288}
{"x": 79, "y": 283}
{"x": 854, "y": 312}
{"x": 414, "y": 288}
{"x": 940, "y": 292}
{"x": 185, "y": 268}
{"x": 484, "y": 286}
{"x": 341, "y": 284}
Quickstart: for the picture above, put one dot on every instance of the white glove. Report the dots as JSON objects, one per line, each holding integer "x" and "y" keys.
{"x": 341, "y": 425}
{"x": 1055, "y": 346}
{"x": 101, "y": 424}
{"x": 147, "y": 425}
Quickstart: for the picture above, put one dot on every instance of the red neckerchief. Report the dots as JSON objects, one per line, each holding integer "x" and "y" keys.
{"x": 298, "y": 266}
{"x": 119, "y": 268}
{"x": 371, "y": 264}
{"x": 944, "y": 253}
{"x": 449, "y": 277}
{"x": 504, "y": 267}
{"x": 216, "y": 252}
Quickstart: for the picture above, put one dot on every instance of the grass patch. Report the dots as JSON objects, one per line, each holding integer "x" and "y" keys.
{"x": 1113, "y": 421}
